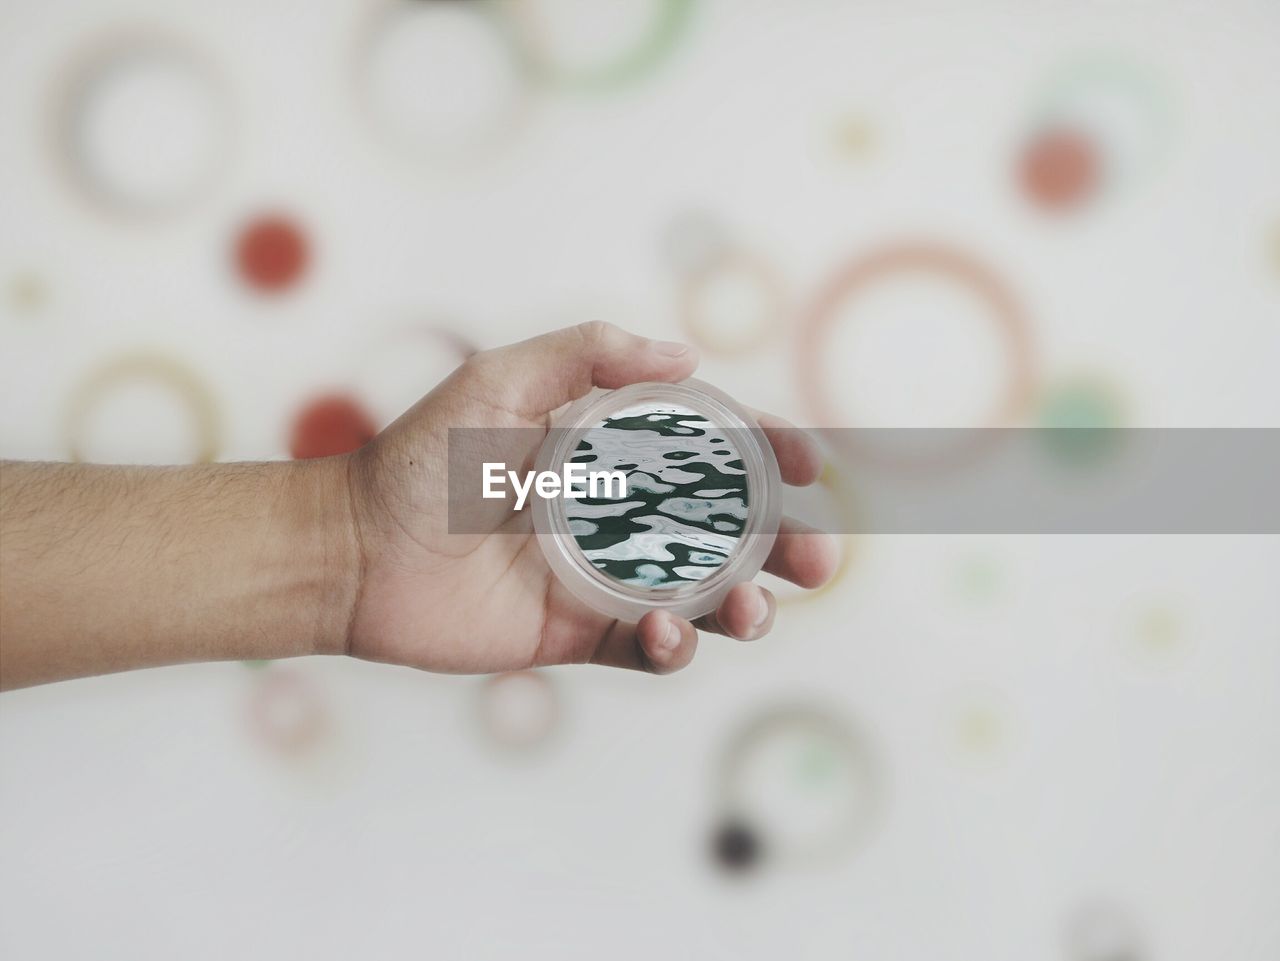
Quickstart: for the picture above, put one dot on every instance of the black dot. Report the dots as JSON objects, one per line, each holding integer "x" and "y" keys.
{"x": 735, "y": 847}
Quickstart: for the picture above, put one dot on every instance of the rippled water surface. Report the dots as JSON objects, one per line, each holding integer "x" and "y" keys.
{"x": 686, "y": 504}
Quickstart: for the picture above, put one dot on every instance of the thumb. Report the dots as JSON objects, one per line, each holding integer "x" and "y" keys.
{"x": 543, "y": 373}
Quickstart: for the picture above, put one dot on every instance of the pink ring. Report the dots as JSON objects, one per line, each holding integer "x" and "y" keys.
{"x": 950, "y": 263}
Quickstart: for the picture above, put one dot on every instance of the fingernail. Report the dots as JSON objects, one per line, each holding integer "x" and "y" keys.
{"x": 671, "y": 640}
{"x": 762, "y": 610}
{"x": 670, "y": 348}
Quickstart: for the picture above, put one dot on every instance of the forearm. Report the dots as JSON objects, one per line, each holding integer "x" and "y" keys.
{"x": 110, "y": 568}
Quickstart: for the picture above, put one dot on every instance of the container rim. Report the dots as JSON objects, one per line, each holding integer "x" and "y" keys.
{"x": 695, "y": 598}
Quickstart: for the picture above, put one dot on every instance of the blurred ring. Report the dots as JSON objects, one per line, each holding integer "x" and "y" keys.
{"x": 952, "y": 264}
{"x": 513, "y": 724}
{"x": 691, "y": 240}
{"x": 700, "y": 279}
{"x": 73, "y": 90}
{"x": 457, "y": 344}
{"x": 459, "y": 347}
{"x": 641, "y": 58}
{"x": 856, "y": 753}
{"x": 832, "y": 481}
{"x": 185, "y": 384}
{"x": 377, "y": 20}
{"x": 305, "y": 719}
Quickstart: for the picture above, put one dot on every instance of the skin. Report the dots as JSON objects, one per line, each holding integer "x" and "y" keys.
{"x": 106, "y": 568}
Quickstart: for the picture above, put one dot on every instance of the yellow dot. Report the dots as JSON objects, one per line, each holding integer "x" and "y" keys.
{"x": 855, "y": 138}
{"x": 27, "y": 292}
{"x": 1159, "y": 632}
{"x": 980, "y": 730}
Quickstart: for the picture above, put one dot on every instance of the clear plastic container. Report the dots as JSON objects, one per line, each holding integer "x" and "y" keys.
{"x": 701, "y": 509}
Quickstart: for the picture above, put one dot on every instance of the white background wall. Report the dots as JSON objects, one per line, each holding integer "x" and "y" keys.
{"x": 140, "y": 817}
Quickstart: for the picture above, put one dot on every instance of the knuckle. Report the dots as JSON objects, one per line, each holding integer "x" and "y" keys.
{"x": 484, "y": 367}
{"x": 594, "y": 333}
{"x": 479, "y": 361}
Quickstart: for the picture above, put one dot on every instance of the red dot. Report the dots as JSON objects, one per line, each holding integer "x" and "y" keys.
{"x": 1060, "y": 169}
{"x": 271, "y": 253}
{"x": 334, "y": 424}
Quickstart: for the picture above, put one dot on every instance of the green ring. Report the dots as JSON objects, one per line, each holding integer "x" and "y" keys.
{"x": 648, "y": 52}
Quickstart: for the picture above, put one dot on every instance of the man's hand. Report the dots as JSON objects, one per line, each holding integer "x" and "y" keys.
{"x": 109, "y": 568}
{"x": 451, "y": 603}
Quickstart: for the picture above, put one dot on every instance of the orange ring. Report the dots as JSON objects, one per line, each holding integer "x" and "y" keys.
{"x": 700, "y": 278}
{"x": 408, "y": 337}
{"x": 691, "y": 239}
{"x": 541, "y": 733}
{"x": 954, "y": 265}
{"x": 289, "y": 686}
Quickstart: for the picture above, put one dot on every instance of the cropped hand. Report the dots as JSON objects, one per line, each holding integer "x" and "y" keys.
{"x": 109, "y": 568}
